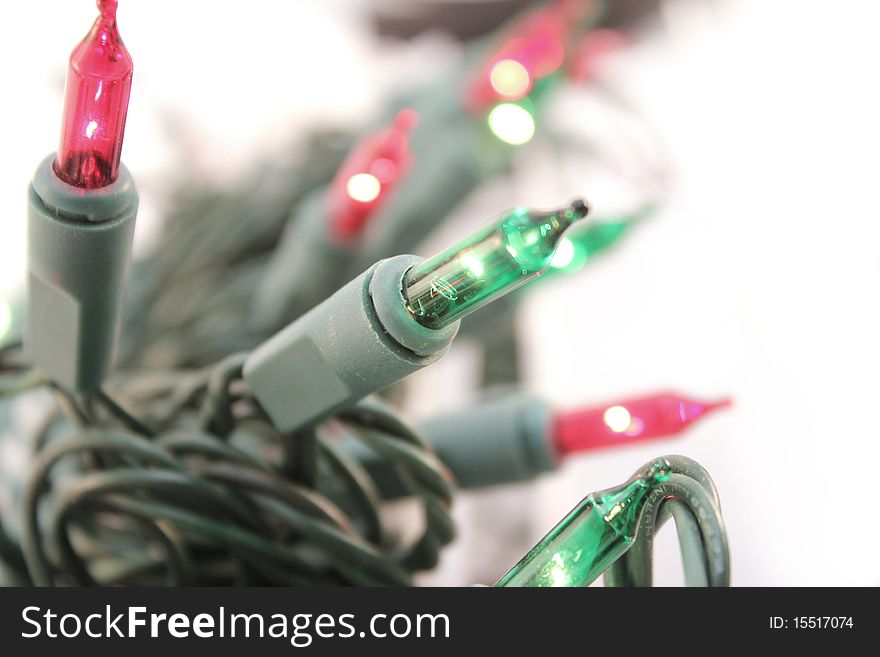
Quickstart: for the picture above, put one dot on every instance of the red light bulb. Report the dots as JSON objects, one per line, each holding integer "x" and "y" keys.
{"x": 534, "y": 47}
{"x": 95, "y": 105}
{"x": 368, "y": 176}
{"x": 628, "y": 421}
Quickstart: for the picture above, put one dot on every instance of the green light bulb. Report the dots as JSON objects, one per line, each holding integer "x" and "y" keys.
{"x": 506, "y": 253}
{"x": 595, "y": 534}
{"x": 583, "y": 244}
{"x": 580, "y": 246}
{"x": 600, "y": 237}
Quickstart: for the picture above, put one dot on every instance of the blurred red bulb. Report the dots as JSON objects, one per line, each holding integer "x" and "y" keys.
{"x": 533, "y": 47}
{"x": 95, "y": 105}
{"x": 368, "y": 177}
{"x": 629, "y": 421}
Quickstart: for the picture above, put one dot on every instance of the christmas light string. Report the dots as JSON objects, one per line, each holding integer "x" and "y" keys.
{"x": 204, "y": 245}
{"x": 133, "y": 473}
{"x": 515, "y": 437}
{"x": 199, "y": 485}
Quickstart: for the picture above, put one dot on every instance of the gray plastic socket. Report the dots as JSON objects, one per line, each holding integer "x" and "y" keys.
{"x": 343, "y": 350}
{"x": 305, "y": 269}
{"x": 502, "y": 441}
{"x": 79, "y": 249}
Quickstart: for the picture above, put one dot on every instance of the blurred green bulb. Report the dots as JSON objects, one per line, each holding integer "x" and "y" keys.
{"x": 512, "y": 123}
{"x": 579, "y": 247}
{"x": 582, "y": 244}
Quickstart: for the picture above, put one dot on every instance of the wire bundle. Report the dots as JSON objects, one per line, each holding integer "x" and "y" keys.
{"x": 204, "y": 490}
{"x": 197, "y": 486}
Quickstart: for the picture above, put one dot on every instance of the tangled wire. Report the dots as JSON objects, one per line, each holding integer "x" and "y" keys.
{"x": 203, "y": 490}
{"x": 196, "y": 486}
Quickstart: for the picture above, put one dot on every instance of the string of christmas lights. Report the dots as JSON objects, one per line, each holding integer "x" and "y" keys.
{"x": 226, "y": 461}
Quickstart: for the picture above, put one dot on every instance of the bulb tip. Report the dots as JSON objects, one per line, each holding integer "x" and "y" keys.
{"x": 693, "y": 410}
{"x": 726, "y": 402}
{"x": 578, "y": 209}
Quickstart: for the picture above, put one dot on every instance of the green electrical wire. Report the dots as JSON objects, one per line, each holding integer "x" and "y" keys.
{"x": 613, "y": 531}
{"x": 187, "y": 495}
{"x": 691, "y": 499}
{"x": 183, "y": 493}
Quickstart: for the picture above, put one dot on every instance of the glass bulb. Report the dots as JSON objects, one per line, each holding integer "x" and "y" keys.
{"x": 628, "y": 421}
{"x": 583, "y": 243}
{"x": 506, "y": 253}
{"x": 369, "y": 176}
{"x": 95, "y": 105}
{"x": 532, "y": 47}
{"x": 595, "y": 534}
{"x": 600, "y": 236}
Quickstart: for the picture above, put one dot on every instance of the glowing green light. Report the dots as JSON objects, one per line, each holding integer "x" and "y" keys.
{"x": 583, "y": 244}
{"x": 564, "y": 254}
{"x": 5, "y": 318}
{"x": 475, "y": 265}
{"x": 506, "y": 253}
{"x": 600, "y": 236}
{"x": 512, "y": 124}
{"x": 596, "y": 533}
{"x": 588, "y": 242}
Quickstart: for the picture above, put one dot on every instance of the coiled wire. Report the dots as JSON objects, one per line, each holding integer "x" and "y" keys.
{"x": 203, "y": 489}
{"x": 690, "y": 498}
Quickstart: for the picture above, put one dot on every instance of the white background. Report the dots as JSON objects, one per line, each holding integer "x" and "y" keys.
{"x": 760, "y": 279}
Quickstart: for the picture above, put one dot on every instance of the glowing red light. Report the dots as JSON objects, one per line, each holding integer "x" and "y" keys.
{"x": 369, "y": 176}
{"x": 537, "y": 42}
{"x": 95, "y": 105}
{"x": 628, "y": 421}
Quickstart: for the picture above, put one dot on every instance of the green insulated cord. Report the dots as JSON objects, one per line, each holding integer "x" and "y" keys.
{"x": 199, "y": 488}
{"x": 612, "y": 532}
